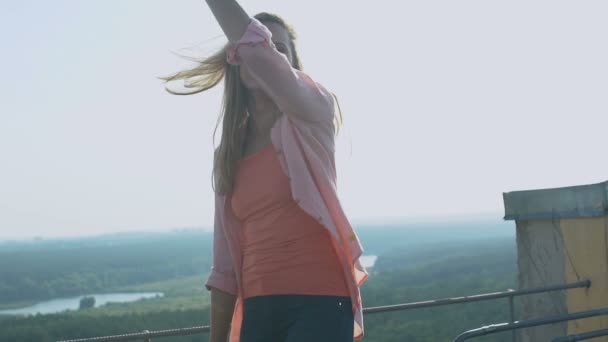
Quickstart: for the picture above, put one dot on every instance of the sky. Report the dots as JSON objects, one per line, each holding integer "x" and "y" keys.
{"x": 447, "y": 105}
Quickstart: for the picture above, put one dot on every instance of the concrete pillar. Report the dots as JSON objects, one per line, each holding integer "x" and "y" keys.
{"x": 562, "y": 237}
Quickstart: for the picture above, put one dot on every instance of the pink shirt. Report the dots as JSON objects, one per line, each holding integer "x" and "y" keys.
{"x": 285, "y": 250}
{"x": 304, "y": 140}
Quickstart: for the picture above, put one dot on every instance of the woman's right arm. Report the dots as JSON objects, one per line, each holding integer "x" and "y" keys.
{"x": 222, "y": 280}
{"x": 222, "y": 307}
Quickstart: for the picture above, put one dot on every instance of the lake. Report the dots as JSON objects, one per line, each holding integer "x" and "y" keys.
{"x": 72, "y": 303}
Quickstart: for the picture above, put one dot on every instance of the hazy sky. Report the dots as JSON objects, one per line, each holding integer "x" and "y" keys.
{"x": 447, "y": 104}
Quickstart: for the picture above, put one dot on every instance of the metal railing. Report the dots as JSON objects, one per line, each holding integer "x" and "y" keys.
{"x": 502, "y": 327}
{"x": 583, "y": 336}
{"x": 509, "y": 294}
{"x": 146, "y": 335}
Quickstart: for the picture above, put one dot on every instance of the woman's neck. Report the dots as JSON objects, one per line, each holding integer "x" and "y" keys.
{"x": 262, "y": 110}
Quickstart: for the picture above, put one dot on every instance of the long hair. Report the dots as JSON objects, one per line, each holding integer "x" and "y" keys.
{"x": 233, "y": 115}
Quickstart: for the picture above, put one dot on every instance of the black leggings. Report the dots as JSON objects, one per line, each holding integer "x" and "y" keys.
{"x": 297, "y": 318}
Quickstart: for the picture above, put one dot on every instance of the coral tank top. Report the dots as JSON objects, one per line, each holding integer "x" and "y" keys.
{"x": 285, "y": 250}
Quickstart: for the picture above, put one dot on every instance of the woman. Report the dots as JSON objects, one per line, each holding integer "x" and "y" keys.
{"x": 285, "y": 258}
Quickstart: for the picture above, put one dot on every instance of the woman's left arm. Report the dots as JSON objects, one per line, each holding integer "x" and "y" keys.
{"x": 294, "y": 92}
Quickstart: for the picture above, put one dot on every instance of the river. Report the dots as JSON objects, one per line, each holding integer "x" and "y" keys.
{"x": 72, "y": 303}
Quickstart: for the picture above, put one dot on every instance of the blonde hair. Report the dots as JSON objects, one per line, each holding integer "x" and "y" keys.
{"x": 207, "y": 74}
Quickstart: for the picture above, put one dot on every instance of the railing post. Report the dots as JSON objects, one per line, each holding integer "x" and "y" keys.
{"x": 147, "y": 339}
{"x": 512, "y": 315}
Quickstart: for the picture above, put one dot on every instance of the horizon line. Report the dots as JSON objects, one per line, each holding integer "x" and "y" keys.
{"x": 355, "y": 222}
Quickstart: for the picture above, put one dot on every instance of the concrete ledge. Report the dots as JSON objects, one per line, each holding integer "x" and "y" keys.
{"x": 570, "y": 202}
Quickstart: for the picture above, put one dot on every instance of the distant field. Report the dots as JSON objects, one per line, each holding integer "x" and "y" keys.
{"x": 420, "y": 263}
{"x": 98, "y": 265}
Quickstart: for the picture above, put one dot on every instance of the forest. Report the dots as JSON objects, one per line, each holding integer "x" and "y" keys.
{"x": 414, "y": 264}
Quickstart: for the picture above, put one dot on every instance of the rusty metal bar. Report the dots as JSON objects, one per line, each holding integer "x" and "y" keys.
{"x": 512, "y": 317}
{"x": 475, "y": 298}
{"x": 496, "y": 328}
{"x": 146, "y": 335}
{"x": 583, "y": 336}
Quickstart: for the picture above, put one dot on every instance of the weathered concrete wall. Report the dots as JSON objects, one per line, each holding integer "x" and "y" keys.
{"x": 562, "y": 237}
{"x": 540, "y": 260}
{"x": 586, "y": 250}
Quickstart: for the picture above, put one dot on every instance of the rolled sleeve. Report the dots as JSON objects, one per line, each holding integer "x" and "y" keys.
{"x": 256, "y": 34}
{"x": 221, "y": 281}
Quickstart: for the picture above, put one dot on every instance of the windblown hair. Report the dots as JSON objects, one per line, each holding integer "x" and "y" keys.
{"x": 209, "y": 73}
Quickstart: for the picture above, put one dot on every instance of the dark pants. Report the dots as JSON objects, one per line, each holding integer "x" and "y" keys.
{"x": 297, "y": 318}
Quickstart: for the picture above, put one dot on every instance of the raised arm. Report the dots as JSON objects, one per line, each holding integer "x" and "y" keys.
{"x": 294, "y": 92}
{"x": 231, "y": 17}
